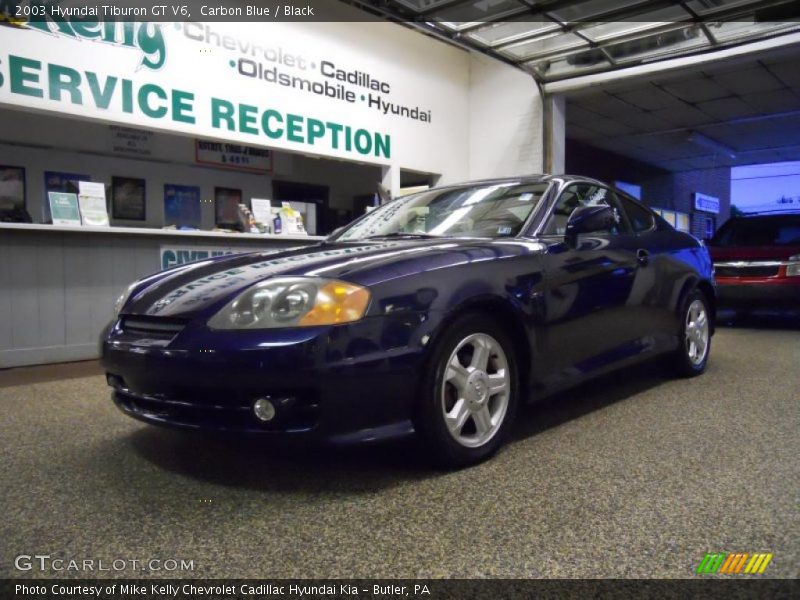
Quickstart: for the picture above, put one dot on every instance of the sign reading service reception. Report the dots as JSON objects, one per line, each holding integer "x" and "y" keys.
{"x": 347, "y": 90}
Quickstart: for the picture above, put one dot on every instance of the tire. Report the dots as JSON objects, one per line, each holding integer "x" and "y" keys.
{"x": 694, "y": 336}
{"x": 459, "y": 418}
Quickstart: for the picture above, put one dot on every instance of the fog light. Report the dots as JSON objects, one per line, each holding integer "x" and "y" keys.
{"x": 264, "y": 410}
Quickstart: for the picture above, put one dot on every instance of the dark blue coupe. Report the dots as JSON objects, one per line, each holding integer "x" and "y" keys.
{"x": 438, "y": 311}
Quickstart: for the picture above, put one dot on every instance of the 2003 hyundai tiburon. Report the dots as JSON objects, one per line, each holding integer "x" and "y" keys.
{"x": 438, "y": 311}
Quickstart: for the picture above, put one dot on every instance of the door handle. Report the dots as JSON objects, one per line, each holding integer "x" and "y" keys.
{"x": 643, "y": 256}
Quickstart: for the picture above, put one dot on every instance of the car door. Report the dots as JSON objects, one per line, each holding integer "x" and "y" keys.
{"x": 589, "y": 322}
{"x": 654, "y": 287}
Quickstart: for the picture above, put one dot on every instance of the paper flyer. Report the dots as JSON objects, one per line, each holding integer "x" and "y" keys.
{"x": 262, "y": 210}
{"x": 92, "y": 201}
{"x": 64, "y": 208}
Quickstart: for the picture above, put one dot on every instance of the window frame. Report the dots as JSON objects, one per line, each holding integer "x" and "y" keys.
{"x": 624, "y": 224}
{"x": 653, "y": 221}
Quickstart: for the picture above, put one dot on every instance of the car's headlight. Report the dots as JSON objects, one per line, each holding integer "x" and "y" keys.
{"x": 123, "y": 298}
{"x": 293, "y": 302}
{"x": 793, "y": 268}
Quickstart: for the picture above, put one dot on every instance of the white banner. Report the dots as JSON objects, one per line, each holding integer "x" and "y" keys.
{"x": 372, "y": 92}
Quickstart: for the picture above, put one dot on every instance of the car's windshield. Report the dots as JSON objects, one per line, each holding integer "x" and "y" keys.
{"x": 482, "y": 210}
{"x": 783, "y": 230}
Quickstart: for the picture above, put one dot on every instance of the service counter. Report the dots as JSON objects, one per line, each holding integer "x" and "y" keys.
{"x": 58, "y": 284}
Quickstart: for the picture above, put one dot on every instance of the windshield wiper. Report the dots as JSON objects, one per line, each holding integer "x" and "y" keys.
{"x": 402, "y": 234}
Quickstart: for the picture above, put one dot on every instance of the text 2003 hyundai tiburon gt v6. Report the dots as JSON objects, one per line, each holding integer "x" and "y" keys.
{"x": 438, "y": 311}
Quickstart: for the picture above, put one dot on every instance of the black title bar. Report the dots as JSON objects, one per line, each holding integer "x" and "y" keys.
{"x": 20, "y": 11}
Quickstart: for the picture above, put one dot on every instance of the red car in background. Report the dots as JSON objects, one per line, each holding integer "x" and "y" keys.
{"x": 757, "y": 262}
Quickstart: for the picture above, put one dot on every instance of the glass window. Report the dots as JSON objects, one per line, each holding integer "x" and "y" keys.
{"x": 781, "y": 230}
{"x": 602, "y": 32}
{"x": 639, "y": 217}
{"x": 461, "y": 15}
{"x": 659, "y": 45}
{"x": 582, "y": 194}
{"x": 481, "y": 210}
{"x": 709, "y": 227}
{"x": 542, "y": 46}
{"x": 511, "y": 30}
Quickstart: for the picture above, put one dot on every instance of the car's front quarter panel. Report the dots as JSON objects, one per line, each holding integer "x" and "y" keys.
{"x": 346, "y": 378}
{"x": 354, "y": 379}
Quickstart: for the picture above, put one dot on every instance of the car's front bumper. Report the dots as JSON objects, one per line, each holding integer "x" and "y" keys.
{"x": 344, "y": 383}
{"x": 769, "y": 293}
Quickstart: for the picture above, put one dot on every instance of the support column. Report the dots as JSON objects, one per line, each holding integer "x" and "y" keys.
{"x": 555, "y": 132}
{"x": 390, "y": 179}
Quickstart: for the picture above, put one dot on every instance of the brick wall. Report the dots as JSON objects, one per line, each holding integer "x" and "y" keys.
{"x": 676, "y": 191}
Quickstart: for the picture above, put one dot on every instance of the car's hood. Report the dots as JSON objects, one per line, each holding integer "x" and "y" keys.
{"x": 185, "y": 291}
{"x": 753, "y": 253}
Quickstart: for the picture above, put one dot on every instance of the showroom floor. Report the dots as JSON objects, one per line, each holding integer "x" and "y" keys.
{"x": 638, "y": 476}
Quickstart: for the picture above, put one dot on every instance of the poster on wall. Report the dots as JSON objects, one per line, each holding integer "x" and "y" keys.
{"x": 12, "y": 193}
{"x": 56, "y": 181}
{"x": 128, "y": 200}
{"x": 64, "y": 208}
{"x": 182, "y": 206}
{"x": 92, "y": 203}
{"x": 233, "y": 156}
{"x": 226, "y": 207}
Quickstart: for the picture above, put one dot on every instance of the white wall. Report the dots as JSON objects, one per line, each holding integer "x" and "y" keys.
{"x": 505, "y": 120}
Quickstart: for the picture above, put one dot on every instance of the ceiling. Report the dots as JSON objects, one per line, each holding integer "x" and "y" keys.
{"x": 558, "y": 39}
{"x": 727, "y": 114}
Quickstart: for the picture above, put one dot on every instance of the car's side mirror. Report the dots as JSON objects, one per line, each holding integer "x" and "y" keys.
{"x": 588, "y": 219}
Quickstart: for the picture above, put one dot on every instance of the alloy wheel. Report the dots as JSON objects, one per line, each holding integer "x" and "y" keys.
{"x": 696, "y": 332}
{"x": 475, "y": 390}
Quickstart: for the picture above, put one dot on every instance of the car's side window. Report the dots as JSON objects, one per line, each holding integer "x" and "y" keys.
{"x": 582, "y": 194}
{"x": 639, "y": 217}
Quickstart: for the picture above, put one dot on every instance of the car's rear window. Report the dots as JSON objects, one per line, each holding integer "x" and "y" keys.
{"x": 783, "y": 230}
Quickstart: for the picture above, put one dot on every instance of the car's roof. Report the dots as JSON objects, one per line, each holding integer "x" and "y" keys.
{"x": 776, "y": 214}
{"x": 533, "y": 178}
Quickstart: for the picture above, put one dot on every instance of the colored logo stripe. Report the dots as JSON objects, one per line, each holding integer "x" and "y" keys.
{"x": 758, "y": 563}
{"x": 734, "y": 563}
{"x": 711, "y": 563}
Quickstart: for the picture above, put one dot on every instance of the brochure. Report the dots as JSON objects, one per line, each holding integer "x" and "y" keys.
{"x": 262, "y": 210}
{"x": 64, "y": 208}
{"x": 92, "y": 201}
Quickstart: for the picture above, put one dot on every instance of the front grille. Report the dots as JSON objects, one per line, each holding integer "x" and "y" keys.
{"x": 747, "y": 271}
{"x": 152, "y": 328}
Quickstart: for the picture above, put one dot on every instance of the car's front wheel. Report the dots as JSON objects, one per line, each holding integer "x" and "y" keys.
{"x": 469, "y": 394}
{"x": 691, "y": 357}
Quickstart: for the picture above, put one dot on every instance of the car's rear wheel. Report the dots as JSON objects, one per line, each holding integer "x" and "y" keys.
{"x": 469, "y": 394}
{"x": 691, "y": 357}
